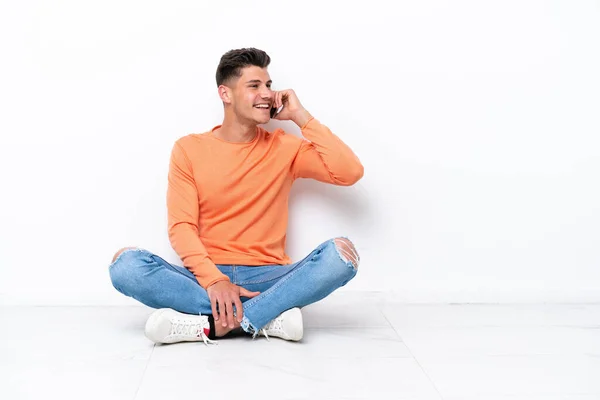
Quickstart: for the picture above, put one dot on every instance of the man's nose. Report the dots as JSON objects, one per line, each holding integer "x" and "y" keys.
{"x": 266, "y": 94}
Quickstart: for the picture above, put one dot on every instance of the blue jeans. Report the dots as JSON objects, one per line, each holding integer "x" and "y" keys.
{"x": 151, "y": 280}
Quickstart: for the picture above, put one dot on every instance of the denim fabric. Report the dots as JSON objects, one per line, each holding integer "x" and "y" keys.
{"x": 146, "y": 277}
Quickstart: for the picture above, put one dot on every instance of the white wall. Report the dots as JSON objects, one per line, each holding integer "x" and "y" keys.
{"x": 477, "y": 123}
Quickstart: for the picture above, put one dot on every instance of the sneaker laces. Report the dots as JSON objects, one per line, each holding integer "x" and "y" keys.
{"x": 274, "y": 325}
{"x": 188, "y": 328}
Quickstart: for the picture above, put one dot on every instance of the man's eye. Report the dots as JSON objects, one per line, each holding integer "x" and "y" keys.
{"x": 254, "y": 85}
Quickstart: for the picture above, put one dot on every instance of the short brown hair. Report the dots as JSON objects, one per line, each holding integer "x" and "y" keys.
{"x": 233, "y": 61}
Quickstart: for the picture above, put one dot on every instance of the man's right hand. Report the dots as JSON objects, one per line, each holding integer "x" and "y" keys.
{"x": 227, "y": 295}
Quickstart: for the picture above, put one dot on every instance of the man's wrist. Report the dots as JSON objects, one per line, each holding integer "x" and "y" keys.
{"x": 302, "y": 118}
{"x": 224, "y": 278}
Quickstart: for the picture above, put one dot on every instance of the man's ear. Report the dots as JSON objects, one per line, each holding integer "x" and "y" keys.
{"x": 225, "y": 94}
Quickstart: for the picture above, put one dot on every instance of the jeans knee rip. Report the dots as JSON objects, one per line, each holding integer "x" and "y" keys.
{"x": 355, "y": 260}
{"x": 124, "y": 252}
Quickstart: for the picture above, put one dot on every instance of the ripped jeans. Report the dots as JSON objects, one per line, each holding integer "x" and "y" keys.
{"x": 146, "y": 277}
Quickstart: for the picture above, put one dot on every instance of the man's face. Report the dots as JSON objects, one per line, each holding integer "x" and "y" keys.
{"x": 252, "y": 96}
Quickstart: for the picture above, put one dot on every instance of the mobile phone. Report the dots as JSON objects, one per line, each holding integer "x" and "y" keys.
{"x": 275, "y": 111}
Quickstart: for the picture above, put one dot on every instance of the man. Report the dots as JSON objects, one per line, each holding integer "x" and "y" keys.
{"x": 227, "y": 204}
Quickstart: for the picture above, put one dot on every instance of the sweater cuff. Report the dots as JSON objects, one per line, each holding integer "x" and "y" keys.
{"x": 312, "y": 118}
{"x": 206, "y": 282}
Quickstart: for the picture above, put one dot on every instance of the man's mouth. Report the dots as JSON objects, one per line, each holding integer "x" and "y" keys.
{"x": 262, "y": 106}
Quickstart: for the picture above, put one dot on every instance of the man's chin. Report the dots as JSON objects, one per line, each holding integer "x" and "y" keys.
{"x": 262, "y": 117}
{"x": 262, "y": 120}
{"x": 257, "y": 118}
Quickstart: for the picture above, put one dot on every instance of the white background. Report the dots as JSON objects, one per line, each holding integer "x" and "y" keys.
{"x": 477, "y": 123}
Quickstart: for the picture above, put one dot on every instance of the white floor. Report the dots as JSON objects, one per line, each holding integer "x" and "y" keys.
{"x": 355, "y": 347}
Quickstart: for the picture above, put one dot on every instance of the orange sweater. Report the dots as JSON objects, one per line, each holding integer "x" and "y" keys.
{"x": 227, "y": 202}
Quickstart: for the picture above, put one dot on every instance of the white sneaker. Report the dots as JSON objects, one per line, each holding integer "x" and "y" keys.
{"x": 288, "y": 325}
{"x": 166, "y": 325}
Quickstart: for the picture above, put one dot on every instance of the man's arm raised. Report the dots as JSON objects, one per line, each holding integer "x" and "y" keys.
{"x": 322, "y": 155}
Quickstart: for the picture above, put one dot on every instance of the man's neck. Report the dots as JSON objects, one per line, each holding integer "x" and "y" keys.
{"x": 236, "y": 131}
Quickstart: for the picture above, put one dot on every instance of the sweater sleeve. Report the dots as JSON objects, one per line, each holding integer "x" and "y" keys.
{"x": 325, "y": 157}
{"x": 183, "y": 212}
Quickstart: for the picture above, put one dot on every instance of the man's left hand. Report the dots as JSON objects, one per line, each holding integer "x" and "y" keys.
{"x": 292, "y": 109}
